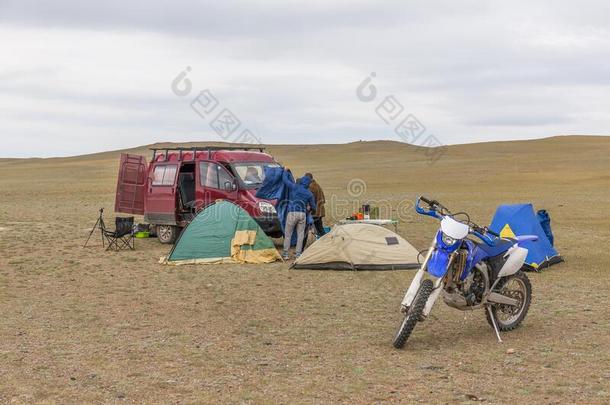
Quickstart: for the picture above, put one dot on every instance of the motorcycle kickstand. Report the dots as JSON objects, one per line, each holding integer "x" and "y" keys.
{"x": 493, "y": 321}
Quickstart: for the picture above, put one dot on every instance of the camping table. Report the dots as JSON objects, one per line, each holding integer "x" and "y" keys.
{"x": 371, "y": 221}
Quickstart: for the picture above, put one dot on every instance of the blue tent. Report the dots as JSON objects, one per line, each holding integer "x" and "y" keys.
{"x": 520, "y": 219}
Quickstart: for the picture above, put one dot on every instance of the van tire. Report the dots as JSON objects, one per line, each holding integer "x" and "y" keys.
{"x": 167, "y": 234}
{"x": 276, "y": 234}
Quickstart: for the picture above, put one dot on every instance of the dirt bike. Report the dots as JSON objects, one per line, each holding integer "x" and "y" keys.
{"x": 469, "y": 274}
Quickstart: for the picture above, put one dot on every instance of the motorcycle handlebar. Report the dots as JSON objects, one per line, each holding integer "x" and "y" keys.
{"x": 433, "y": 204}
{"x": 424, "y": 199}
{"x": 431, "y": 211}
{"x": 483, "y": 234}
{"x": 437, "y": 210}
{"x": 482, "y": 229}
{"x": 489, "y": 231}
{"x": 480, "y": 233}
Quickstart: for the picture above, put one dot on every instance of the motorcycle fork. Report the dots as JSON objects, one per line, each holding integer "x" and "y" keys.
{"x": 438, "y": 285}
{"x": 416, "y": 283}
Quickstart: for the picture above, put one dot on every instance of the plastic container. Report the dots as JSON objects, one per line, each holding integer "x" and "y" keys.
{"x": 366, "y": 210}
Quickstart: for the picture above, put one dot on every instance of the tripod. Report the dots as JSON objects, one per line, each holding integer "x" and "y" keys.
{"x": 99, "y": 224}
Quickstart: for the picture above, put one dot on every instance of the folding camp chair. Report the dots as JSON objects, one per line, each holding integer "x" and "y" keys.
{"x": 122, "y": 238}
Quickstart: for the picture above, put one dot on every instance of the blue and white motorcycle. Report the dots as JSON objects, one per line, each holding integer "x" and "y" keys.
{"x": 469, "y": 274}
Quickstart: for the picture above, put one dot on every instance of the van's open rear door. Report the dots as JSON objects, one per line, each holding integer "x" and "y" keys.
{"x": 131, "y": 186}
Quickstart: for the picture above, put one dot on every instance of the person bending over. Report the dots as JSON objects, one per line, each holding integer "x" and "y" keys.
{"x": 300, "y": 199}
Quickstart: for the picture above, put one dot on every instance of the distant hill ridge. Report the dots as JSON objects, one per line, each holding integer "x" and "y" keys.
{"x": 529, "y": 145}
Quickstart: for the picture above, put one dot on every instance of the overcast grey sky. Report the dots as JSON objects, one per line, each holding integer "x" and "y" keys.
{"x": 86, "y": 76}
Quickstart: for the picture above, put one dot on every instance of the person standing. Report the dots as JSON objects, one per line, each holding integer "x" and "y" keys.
{"x": 300, "y": 199}
{"x": 319, "y": 213}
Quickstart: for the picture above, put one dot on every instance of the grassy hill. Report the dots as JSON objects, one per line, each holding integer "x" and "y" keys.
{"x": 83, "y": 325}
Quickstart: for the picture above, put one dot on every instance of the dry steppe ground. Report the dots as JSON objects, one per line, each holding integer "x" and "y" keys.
{"x": 83, "y": 325}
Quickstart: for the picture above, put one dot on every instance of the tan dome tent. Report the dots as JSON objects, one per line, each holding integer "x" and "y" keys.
{"x": 359, "y": 247}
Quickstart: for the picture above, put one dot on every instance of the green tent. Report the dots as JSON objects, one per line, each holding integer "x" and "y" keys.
{"x": 222, "y": 233}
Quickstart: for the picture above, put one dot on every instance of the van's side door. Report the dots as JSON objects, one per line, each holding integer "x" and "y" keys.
{"x": 214, "y": 183}
{"x": 161, "y": 194}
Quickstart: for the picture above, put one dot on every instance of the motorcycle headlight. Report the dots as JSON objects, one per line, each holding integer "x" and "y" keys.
{"x": 266, "y": 208}
{"x": 448, "y": 240}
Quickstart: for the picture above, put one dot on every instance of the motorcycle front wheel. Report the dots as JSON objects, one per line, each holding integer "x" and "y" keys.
{"x": 508, "y": 317}
{"x": 414, "y": 313}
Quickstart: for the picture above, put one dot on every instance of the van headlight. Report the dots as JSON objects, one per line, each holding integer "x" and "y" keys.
{"x": 448, "y": 240}
{"x": 266, "y": 208}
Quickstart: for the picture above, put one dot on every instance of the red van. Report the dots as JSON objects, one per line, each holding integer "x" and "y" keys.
{"x": 179, "y": 182}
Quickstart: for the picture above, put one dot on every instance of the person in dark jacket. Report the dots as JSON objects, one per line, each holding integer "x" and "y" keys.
{"x": 319, "y": 212}
{"x": 300, "y": 200}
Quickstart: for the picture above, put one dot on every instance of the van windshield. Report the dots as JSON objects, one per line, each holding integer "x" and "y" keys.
{"x": 252, "y": 174}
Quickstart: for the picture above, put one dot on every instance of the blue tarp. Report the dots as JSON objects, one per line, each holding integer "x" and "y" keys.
{"x": 273, "y": 188}
{"x": 520, "y": 219}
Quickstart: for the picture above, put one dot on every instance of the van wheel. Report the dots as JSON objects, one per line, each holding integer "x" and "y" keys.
{"x": 167, "y": 233}
{"x": 276, "y": 234}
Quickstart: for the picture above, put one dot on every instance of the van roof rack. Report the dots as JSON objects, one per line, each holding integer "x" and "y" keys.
{"x": 208, "y": 149}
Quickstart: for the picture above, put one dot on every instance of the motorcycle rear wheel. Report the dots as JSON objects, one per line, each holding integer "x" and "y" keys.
{"x": 414, "y": 313}
{"x": 507, "y": 317}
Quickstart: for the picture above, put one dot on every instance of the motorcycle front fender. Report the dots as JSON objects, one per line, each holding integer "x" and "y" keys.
{"x": 438, "y": 263}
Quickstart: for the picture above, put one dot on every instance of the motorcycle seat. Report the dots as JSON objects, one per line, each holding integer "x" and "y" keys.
{"x": 527, "y": 238}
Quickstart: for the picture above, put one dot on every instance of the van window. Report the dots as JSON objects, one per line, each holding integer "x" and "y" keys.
{"x": 208, "y": 174}
{"x": 164, "y": 175}
{"x": 252, "y": 174}
{"x": 213, "y": 175}
{"x": 224, "y": 177}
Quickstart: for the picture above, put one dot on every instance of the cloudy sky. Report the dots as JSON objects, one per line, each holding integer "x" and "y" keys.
{"x": 85, "y": 76}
